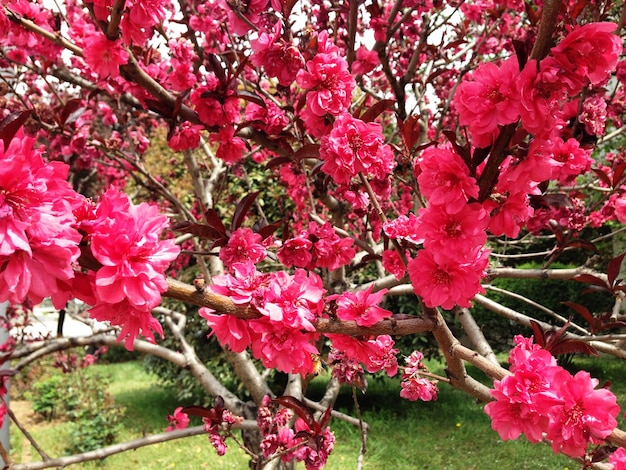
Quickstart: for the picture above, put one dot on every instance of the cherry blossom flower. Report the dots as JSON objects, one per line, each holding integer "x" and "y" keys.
{"x": 38, "y": 242}
{"x": 442, "y": 281}
{"x": 445, "y": 179}
{"x": 231, "y": 332}
{"x": 361, "y": 306}
{"x": 487, "y": 99}
{"x": 279, "y": 58}
{"x": 243, "y": 245}
{"x": 586, "y": 415}
{"x": 392, "y": 262}
{"x": 187, "y": 137}
{"x": 179, "y": 420}
{"x": 375, "y": 354}
{"x": 594, "y": 115}
{"x": 103, "y": 55}
{"x": 590, "y": 51}
{"x": 354, "y": 146}
{"x": 618, "y": 459}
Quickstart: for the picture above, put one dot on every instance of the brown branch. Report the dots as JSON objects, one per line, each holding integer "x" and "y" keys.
{"x": 32, "y": 27}
{"x": 100, "y": 454}
{"x": 543, "y": 43}
{"x": 113, "y": 29}
{"x": 27, "y": 435}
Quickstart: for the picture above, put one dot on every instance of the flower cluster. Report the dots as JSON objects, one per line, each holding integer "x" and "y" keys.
{"x": 540, "y": 397}
{"x": 125, "y": 240}
{"x": 284, "y": 336}
{"x": 319, "y": 246}
{"x": 414, "y": 386}
{"x": 38, "y": 240}
{"x": 310, "y": 443}
{"x": 448, "y": 270}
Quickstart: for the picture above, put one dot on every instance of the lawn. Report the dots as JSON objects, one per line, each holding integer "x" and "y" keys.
{"x": 451, "y": 433}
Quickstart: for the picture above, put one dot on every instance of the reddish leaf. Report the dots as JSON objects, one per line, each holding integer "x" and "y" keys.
{"x": 300, "y": 409}
{"x": 274, "y": 162}
{"x": 376, "y": 110}
{"x": 213, "y": 219}
{"x": 307, "y": 151}
{"x": 410, "y": 131}
{"x": 287, "y": 7}
{"x": 200, "y": 411}
{"x": 593, "y": 280}
{"x": 72, "y": 108}
{"x": 252, "y": 97}
{"x": 11, "y": 124}
{"x": 325, "y": 418}
{"x": 603, "y": 176}
{"x": 613, "y": 269}
{"x": 578, "y": 8}
{"x": 582, "y": 310}
{"x": 199, "y": 230}
{"x": 538, "y": 333}
{"x": 462, "y": 151}
{"x": 573, "y": 346}
{"x": 242, "y": 209}
{"x": 584, "y": 244}
{"x": 618, "y": 173}
{"x": 268, "y": 230}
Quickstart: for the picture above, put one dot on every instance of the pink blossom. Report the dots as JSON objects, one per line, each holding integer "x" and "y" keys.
{"x": 392, "y": 262}
{"x": 243, "y": 245}
{"x": 620, "y": 209}
{"x": 365, "y": 62}
{"x": 327, "y": 80}
{"x": 375, "y": 354}
{"x": 586, "y": 415}
{"x": 487, "y": 99}
{"x": 418, "y": 388}
{"x": 594, "y": 115}
{"x": 187, "y": 137}
{"x": 345, "y": 369}
{"x": 279, "y": 58}
{"x": 214, "y": 106}
{"x": 570, "y": 160}
{"x": 125, "y": 239}
{"x": 231, "y": 331}
{"x": 320, "y": 445}
{"x": 282, "y": 348}
{"x": 103, "y": 55}
{"x": 231, "y": 148}
{"x": 296, "y": 252}
{"x": 38, "y": 243}
{"x": 404, "y": 227}
{"x": 590, "y": 51}
{"x": 354, "y": 146}
{"x": 270, "y": 118}
{"x": 361, "y": 306}
{"x": 179, "y": 420}
{"x": 508, "y": 213}
{"x": 618, "y": 459}
{"x": 445, "y": 179}
{"x": 442, "y": 281}
{"x": 461, "y": 234}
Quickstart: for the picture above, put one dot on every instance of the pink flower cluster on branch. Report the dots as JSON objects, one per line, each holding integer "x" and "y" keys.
{"x": 541, "y": 399}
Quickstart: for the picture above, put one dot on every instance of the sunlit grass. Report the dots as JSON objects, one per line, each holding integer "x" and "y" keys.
{"x": 451, "y": 433}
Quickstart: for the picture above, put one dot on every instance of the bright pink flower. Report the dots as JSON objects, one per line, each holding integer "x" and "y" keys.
{"x": 125, "y": 239}
{"x": 178, "y": 420}
{"x": 445, "y": 179}
{"x": 620, "y": 209}
{"x": 187, "y": 137}
{"x": 229, "y": 330}
{"x": 320, "y": 445}
{"x": 594, "y": 115}
{"x": 418, "y": 388}
{"x": 251, "y": 11}
{"x": 354, "y": 146}
{"x": 231, "y": 148}
{"x": 487, "y": 99}
{"x": 591, "y": 51}
{"x": 296, "y": 252}
{"x": 282, "y": 348}
{"x": 375, "y": 354}
{"x": 361, "y": 306}
{"x": 270, "y": 118}
{"x": 279, "y": 58}
{"x": 543, "y": 91}
{"x": 618, "y": 459}
{"x": 38, "y": 243}
{"x": 104, "y": 56}
{"x": 392, "y": 262}
{"x": 365, "y": 62}
{"x": 442, "y": 281}
{"x": 243, "y": 245}
{"x": 404, "y": 227}
{"x": 570, "y": 160}
{"x": 243, "y": 285}
{"x": 327, "y": 80}
{"x": 587, "y": 415}
{"x": 345, "y": 369}
{"x": 508, "y": 214}
{"x": 134, "y": 322}
{"x": 460, "y": 235}
{"x": 146, "y": 13}
{"x": 214, "y": 106}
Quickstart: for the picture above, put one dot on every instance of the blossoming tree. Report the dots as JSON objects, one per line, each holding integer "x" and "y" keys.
{"x": 412, "y": 148}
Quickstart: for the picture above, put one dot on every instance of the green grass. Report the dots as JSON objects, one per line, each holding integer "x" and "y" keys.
{"x": 451, "y": 433}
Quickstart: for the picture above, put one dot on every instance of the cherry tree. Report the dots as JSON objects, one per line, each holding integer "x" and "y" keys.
{"x": 335, "y": 154}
